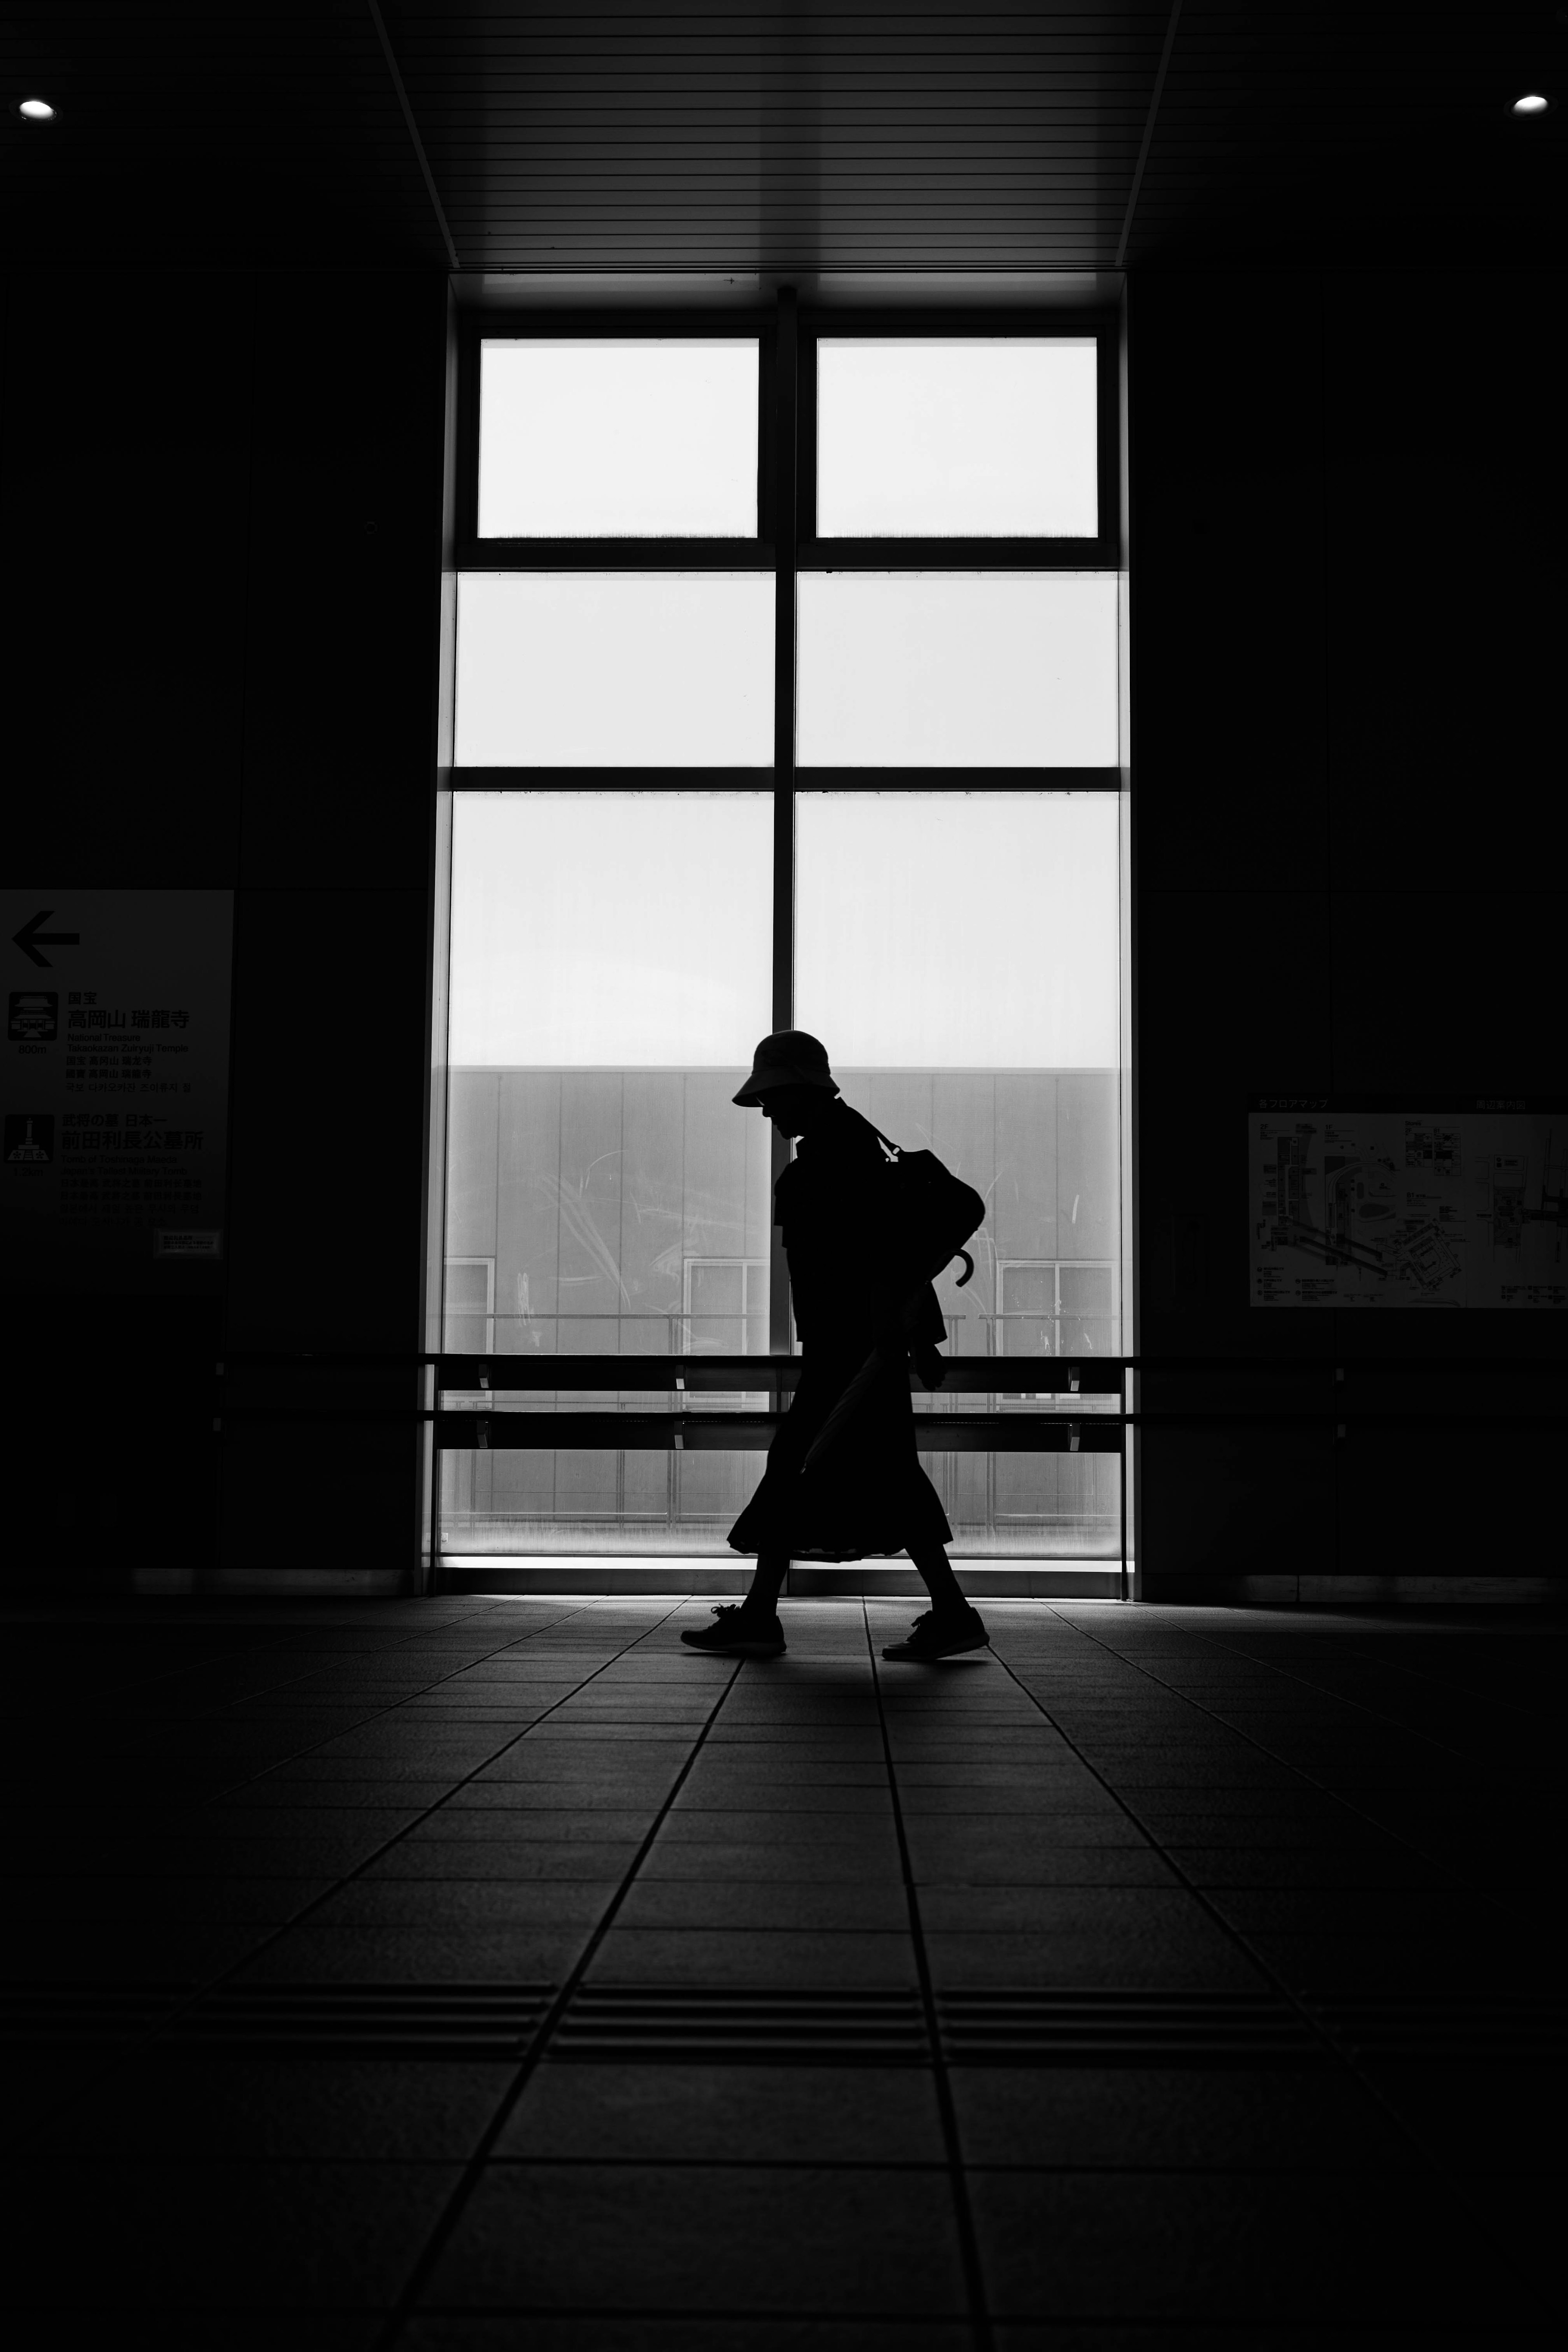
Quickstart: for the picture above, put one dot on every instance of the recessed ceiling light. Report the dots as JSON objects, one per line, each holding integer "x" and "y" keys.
{"x": 37, "y": 110}
{"x": 1533, "y": 104}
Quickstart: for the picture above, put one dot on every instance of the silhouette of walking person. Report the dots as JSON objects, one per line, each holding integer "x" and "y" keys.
{"x": 843, "y": 1479}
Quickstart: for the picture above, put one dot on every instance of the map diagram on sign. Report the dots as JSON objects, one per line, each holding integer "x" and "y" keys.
{"x": 1366, "y": 1203}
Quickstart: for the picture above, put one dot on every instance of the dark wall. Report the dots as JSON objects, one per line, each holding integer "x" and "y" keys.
{"x": 222, "y": 503}
{"x": 1346, "y": 500}
{"x": 221, "y": 499}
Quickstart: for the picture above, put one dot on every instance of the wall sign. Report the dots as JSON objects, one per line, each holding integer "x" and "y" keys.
{"x": 116, "y": 1102}
{"x": 1363, "y": 1201}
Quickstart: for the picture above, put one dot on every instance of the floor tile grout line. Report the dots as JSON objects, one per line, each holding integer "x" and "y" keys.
{"x": 957, "y": 2170}
{"x": 382, "y": 1715}
{"x": 376, "y": 1714}
{"x": 138, "y": 2048}
{"x": 1424, "y": 1674}
{"x": 436, "y": 2243}
{"x": 1124, "y": 1661}
{"x": 1233, "y": 1934}
{"x": 135, "y": 2047}
{"x": 914, "y": 2166}
{"x": 378, "y": 1649}
{"x": 771, "y": 2318}
{"x": 288, "y": 1681}
{"x": 1129, "y": 1808}
{"x": 427, "y": 1811}
{"x": 1317, "y": 2025}
{"x": 1244, "y": 2334}
{"x": 1250, "y": 1740}
{"x": 1318, "y": 1788}
{"x": 230, "y": 1634}
{"x": 1360, "y": 1707}
{"x": 1235, "y": 1645}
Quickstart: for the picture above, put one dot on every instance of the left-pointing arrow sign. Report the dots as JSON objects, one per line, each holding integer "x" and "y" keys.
{"x": 31, "y": 938}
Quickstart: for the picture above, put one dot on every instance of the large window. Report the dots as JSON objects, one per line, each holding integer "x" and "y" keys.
{"x": 787, "y": 696}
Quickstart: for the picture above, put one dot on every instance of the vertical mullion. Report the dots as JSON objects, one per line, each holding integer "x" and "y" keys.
{"x": 786, "y": 533}
{"x": 786, "y": 536}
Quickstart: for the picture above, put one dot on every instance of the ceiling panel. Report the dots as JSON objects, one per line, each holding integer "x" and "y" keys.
{"x": 795, "y": 140}
{"x": 782, "y": 141}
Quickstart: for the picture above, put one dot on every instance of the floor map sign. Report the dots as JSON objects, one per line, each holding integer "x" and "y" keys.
{"x": 116, "y": 1086}
{"x": 1360, "y": 1201}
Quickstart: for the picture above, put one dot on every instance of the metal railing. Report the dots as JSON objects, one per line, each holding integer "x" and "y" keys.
{"x": 1098, "y": 1385}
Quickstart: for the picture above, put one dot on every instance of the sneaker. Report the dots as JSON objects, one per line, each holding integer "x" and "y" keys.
{"x": 932, "y": 1636}
{"x": 739, "y": 1633}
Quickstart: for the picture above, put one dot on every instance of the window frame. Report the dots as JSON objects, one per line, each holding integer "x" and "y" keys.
{"x": 1096, "y": 553}
{"x": 643, "y": 553}
{"x": 787, "y": 332}
{"x": 1001, "y": 1315}
{"x": 485, "y": 1315}
{"x": 747, "y": 1268}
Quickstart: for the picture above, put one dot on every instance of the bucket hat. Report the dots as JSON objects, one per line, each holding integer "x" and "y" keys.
{"x": 788, "y": 1058}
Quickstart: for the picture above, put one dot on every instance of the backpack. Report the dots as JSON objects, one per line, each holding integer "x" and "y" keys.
{"x": 931, "y": 1212}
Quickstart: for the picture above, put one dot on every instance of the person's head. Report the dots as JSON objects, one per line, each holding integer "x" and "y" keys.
{"x": 794, "y": 1111}
{"x": 790, "y": 1082}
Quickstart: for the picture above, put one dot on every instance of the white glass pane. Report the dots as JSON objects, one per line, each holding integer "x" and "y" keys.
{"x": 957, "y": 955}
{"x": 611, "y": 928}
{"x": 959, "y": 930}
{"x": 967, "y": 437}
{"x": 584, "y": 669}
{"x": 618, "y": 439}
{"x": 610, "y": 974}
{"x": 962, "y": 669}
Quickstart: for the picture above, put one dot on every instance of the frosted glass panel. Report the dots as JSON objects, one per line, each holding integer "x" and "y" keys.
{"x": 610, "y": 929}
{"x": 959, "y": 930}
{"x": 619, "y": 438}
{"x": 610, "y": 974}
{"x": 969, "y": 436}
{"x": 1040, "y": 1149}
{"x": 653, "y": 669}
{"x": 989, "y": 669}
{"x": 957, "y": 955}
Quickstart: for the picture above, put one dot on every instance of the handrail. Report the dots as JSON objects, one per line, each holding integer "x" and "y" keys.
{"x": 546, "y": 1426}
{"x": 587, "y": 1370}
{"x": 1100, "y": 1383}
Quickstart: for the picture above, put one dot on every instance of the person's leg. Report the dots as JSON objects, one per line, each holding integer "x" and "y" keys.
{"x": 767, "y": 1582}
{"x": 935, "y": 1573}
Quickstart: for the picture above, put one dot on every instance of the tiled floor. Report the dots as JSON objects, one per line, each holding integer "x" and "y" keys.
{"x": 498, "y": 1974}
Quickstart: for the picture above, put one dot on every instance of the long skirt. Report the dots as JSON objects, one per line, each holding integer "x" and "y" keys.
{"x": 866, "y": 1496}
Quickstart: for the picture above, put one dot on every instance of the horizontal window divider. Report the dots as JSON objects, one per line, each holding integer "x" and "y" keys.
{"x": 761, "y": 555}
{"x": 958, "y": 780}
{"x": 615, "y": 555}
{"x": 805, "y": 780}
{"x": 617, "y": 780}
{"x": 1004, "y": 1431}
{"x": 523, "y": 1375}
{"x": 962, "y": 312}
{"x": 750, "y": 320}
{"x": 456, "y": 1370}
{"x": 716, "y": 1433}
{"x": 957, "y": 555}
